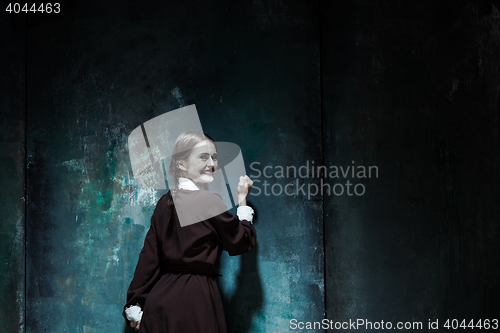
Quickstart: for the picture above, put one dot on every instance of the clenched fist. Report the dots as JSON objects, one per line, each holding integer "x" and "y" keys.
{"x": 244, "y": 186}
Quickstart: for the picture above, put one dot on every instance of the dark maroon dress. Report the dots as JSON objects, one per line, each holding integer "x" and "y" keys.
{"x": 174, "y": 281}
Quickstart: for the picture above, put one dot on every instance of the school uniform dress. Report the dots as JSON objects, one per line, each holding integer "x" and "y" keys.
{"x": 174, "y": 288}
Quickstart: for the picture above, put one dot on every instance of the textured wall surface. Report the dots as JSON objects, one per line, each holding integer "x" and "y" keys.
{"x": 101, "y": 70}
{"x": 12, "y": 177}
{"x": 410, "y": 88}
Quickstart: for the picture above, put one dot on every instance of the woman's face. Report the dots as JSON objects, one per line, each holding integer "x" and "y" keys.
{"x": 200, "y": 166}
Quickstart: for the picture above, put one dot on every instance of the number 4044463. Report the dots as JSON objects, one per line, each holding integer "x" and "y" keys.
{"x": 48, "y": 8}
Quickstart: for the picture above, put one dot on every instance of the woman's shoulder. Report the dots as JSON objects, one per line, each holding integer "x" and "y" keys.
{"x": 163, "y": 203}
{"x": 213, "y": 195}
{"x": 200, "y": 194}
{"x": 164, "y": 198}
{"x": 212, "y": 198}
{"x": 202, "y": 204}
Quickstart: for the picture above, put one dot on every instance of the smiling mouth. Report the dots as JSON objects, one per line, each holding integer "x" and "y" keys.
{"x": 210, "y": 173}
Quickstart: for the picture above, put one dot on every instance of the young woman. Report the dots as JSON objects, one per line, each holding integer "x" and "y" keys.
{"x": 174, "y": 288}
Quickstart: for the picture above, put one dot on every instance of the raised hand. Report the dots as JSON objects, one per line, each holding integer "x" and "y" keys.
{"x": 244, "y": 186}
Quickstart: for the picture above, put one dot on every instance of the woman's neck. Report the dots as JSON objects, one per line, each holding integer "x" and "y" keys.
{"x": 188, "y": 184}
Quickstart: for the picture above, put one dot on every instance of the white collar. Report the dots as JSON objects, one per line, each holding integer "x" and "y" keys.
{"x": 187, "y": 184}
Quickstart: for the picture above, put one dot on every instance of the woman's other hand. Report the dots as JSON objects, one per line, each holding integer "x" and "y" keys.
{"x": 244, "y": 186}
{"x": 135, "y": 324}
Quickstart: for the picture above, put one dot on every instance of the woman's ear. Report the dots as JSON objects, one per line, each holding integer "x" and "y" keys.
{"x": 181, "y": 165}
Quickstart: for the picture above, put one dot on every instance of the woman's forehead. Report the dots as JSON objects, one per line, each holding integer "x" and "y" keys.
{"x": 206, "y": 146}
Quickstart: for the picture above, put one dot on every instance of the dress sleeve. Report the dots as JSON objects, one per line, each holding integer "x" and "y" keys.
{"x": 237, "y": 236}
{"x": 147, "y": 271}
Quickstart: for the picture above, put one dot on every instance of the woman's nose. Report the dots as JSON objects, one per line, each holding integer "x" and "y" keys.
{"x": 210, "y": 162}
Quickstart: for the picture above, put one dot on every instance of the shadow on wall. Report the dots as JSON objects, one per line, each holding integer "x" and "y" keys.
{"x": 248, "y": 297}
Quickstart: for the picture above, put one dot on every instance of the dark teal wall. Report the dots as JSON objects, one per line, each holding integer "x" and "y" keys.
{"x": 102, "y": 70}
{"x": 411, "y": 88}
{"x": 12, "y": 177}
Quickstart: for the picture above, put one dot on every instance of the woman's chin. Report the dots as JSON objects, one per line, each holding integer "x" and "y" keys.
{"x": 206, "y": 179}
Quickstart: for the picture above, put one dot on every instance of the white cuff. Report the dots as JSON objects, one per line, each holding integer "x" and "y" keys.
{"x": 245, "y": 213}
{"x": 134, "y": 313}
